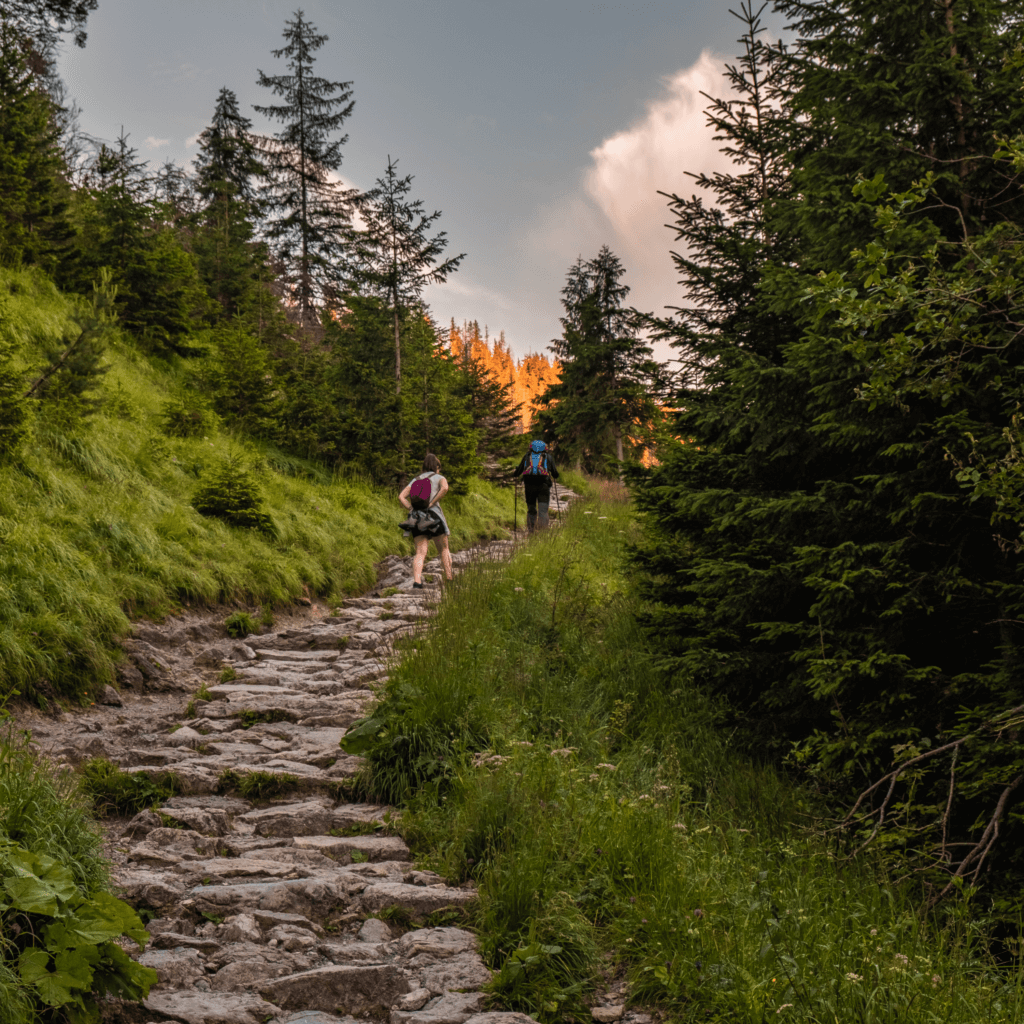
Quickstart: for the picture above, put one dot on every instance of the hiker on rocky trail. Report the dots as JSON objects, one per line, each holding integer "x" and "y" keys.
{"x": 423, "y": 494}
{"x": 537, "y": 470}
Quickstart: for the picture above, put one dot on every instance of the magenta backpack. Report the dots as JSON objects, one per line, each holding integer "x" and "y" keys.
{"x": 419, "y": 493}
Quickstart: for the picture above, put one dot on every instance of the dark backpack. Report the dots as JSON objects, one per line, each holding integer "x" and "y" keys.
{"x": 419, "y": 493}
{"x": 542, "y": 465}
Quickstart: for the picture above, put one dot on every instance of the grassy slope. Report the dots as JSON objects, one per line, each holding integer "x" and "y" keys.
{"x": 96, "y": 527}
{"x": 616, "y": 830}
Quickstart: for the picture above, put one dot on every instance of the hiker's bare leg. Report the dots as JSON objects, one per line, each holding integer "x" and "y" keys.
{"x": 446, "y": 556}
{"x": 419, "y": 558}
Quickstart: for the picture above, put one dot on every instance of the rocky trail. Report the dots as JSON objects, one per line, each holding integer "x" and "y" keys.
{"x": 272, "y": 898}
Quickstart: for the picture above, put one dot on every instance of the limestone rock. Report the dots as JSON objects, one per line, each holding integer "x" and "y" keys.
{"x": 290, "y": 938}
{"x": 451, "y": 1008}
{"x": 375, "y": 930}
{"x": 192, "y": 1007}
{"x": 415, "y": 1000}
{"x": 207, "y": 822}
{"x": 426, "y": 946}
{"x": 353, "y": 990}
{"x": 176, "y": 968}
{"x": 240, "y": 928}
{"x": 417, "y": 899}
{"x": 341, "y": 848}
{"x": 607, "y": 1014}
{"x": 500, "y": 1017}
{"x": 141, "y": 825}
{"x": 109, "y": 697}
{"x": 225, "y": 651}
{"x": 462, "y": 971}
{"x": 309, "y": 818}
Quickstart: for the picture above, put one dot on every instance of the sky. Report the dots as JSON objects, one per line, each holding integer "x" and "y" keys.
{"x": 541, "y": 129}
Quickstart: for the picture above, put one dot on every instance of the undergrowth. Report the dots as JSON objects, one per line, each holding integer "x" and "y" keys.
{"x": 116, "y": 792}
{"x": 612, "y": 827}
{"x": 59, "y": 924}
{"x": 98, "y": 525}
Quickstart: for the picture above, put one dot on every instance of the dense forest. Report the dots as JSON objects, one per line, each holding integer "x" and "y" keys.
{"x": 826, "y": 524}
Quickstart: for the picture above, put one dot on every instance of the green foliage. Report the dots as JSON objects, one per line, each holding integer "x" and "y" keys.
{"x": 240, "y": 625}
{"x": 232, "y": 494}
{"x": 13, "y": 407}
{"x": 33, "y": 220}
{"x": 58, "y": 924}
{"x": 610, "y": 819}
{"x": 813, "y": 559}
{"x": 227, "y": 675}
{"x": 255, "y": 785}
{"x": 187, "y": 416}
{"x": 116, "y": 792}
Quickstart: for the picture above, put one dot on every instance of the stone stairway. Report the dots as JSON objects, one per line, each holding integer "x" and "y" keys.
{"x": 270, "y": 896}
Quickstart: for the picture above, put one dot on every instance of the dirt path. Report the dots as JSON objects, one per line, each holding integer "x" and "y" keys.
{"x": 288, "y": 909}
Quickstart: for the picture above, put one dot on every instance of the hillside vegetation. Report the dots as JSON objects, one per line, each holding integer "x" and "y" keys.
{"x": 616, "y": 831}
{"x": 98, "y": 520}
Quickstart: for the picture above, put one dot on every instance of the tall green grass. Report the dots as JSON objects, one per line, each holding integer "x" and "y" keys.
{"x": 611, "y": 825}
{"x": 96, "y": 526}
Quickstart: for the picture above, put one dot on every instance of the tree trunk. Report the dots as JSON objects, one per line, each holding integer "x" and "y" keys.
{"x": 398, "y": 355}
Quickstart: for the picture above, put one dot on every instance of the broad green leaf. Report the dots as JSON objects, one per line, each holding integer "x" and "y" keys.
{"x": 32, "y": 965}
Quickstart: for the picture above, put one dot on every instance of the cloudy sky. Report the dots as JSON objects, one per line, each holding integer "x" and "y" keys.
{"x": 541, "y": 128}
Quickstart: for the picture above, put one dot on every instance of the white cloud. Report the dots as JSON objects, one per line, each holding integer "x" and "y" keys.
{"x": 192, "y": 140}
{"x": 150, "y": 142}
{"x": 652, "y": 155}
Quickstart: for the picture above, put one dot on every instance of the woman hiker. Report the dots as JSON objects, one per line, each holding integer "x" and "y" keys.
{"x": 537, "y": 470}
{"x": 438, "y": 489}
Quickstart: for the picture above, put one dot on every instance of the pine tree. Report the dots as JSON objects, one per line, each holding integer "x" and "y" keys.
{"x": 608, "y": 380}
{"x": 396, "y": 258}
{"x": 310, "y": 215}
{"x": 228, "y": 173}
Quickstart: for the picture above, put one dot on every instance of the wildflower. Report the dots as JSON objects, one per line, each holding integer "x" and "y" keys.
{"x": 662, "y": 789}
{"x": 519, "y": 590}
{"x": 873, "y": 932}
{"x": 588, "y": 513}
{"x": 854, "y": 978}
{"x": 644, "y": 796}
{"x": 629, "y": 940}
{"x": 901, "y": 961}
{"x": 564, "y": 751}
{"x": 593, "y": 778}
{"x": 602, "y": 517}
{"x": 632, "y": 899}
{"x": 598, "y": 850}
{"x": 521, "y": 743}
{"x": 698, "y": 913}
{"x": 679, "y": 825}
{"x": 610, "y": 767}
{"x": 784, "y": 1006}
{"x": 936, "y": 980}
{"x": 643, "y": 920}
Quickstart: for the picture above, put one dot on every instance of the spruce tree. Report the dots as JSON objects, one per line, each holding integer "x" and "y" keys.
{"x": 33, "y": 215}
{"x": 41, "y": 22}
{"x": 605, "y": 394}
{"x": 396, "y": 257}
{"x": 13, "y": 407}
{"x": 814, "y": 557}
{"x": 228, "y": 173}
{"x": 309, "y": 215}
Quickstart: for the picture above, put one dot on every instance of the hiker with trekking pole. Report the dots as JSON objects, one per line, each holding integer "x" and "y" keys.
{"x": 538, "y": 471}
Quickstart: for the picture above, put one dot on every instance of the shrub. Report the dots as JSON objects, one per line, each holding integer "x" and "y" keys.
{"x": 184, "y": 417}
{"x": 233, "y": 495}
{"x": 239, "y": 625}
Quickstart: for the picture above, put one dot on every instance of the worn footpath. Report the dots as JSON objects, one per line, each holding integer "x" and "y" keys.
{"x": 293, "y": 908}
